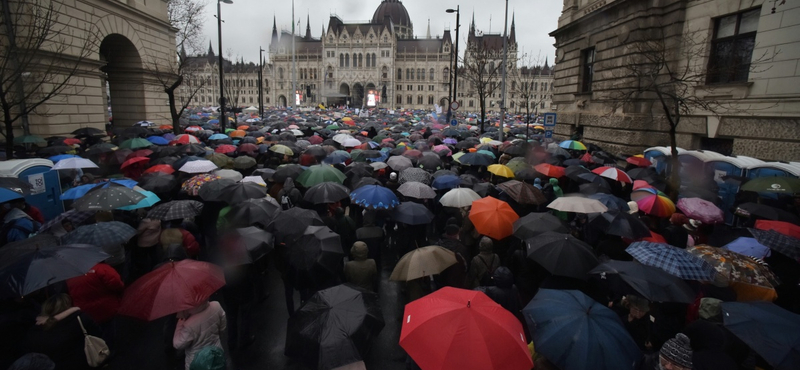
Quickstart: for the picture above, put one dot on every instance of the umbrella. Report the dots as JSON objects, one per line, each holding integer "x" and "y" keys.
{"x": 399, "y": 163}
{"x": 157, "y": 140}
{"x": 250, "y": 212}
{"x": 411, "y": 213}
{"x": 246, "y": 245}
{"x": 15, "y": 184}
{"x": 339, "y": 156}
{"x": 767, "y": 212}
{"x": 335, "y": 327}
{"x": 421, "y": 262}
{"x": 176, "y": 210}
{"x": 244, "y": 162}
{"x": 773, "y": 184}
{"x": 561, "y": 254}
{"x": 281, "y": 149}
{"x": 29, "y": 139}
{"x": 88, "y": 132}
{"x": 186, "y": 139}
{"x": 171, "y": 288}
{"x": 748, "y": 247}
{"x": 784, "y": 228}
{"x": 492, "y": 217}
{"x": 415, "y": 174}
{"x": 735, "y": 267}
{"x": 9, "y": 195}
{"x": 778, "y": 242}
{"x": 702, "y": 210}
{"x": 611, "y": 201}
{"x": 771, "y": 331}
{"x": 71, "y": 163}
{"x": 639, "y": 161}
{"x": 32, "y": 269}
{"x": 673, "y": 260}
{"x": 75, "y": 217}
{"x": 81, "y": 190}
{"x": 650, "y": 282}
{"x": 326, "y": 192}
{"x": 225, "y": 149}
{"x": 619, "y": 223}
{"x": 501, "y": 170}
{"x": 549, "y": 170}
{"x": 459, "y": 197}
{"x": 194, "y": 184}
{"x": 135, "y": 161}
{"x": 475, "y": 159}
{"x": 108, "y": 197}
{"x": 198, "y": 166}
{"x": 418, "y": 190}
{"x": 535, "y": 223}
{"x": 572, "y": 145}
{"x": 445, "y": 182}
{"x": 150, "y": 199}
{"x": 656, "y": 205}
{"x": 101, "y": 234}
{"x": 438, "y": 323}
{"x": 320, "y": 173}
{"x": 577, "y": 205}
{"x": 135, "y": 143}
{"x": 162, "y": 168}
{"x": 522, "y": 192}
{"x": 287, "y": 171}
{"x": 241, "y": 191}
{"x": 430, "y": 163}
{"x": 317, "y": 246}
{"x": 293, "y": 222}
{"x": 613, "y": 173}
{"x": 374, "y": 197}
{"x": 598, "y": 338}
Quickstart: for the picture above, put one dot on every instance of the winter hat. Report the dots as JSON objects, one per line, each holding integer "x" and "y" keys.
{"x": 486, "y": 245}
{"x": 393, "y": 176}
{"x": 678, "y": 350}
{"x": 360, "y": 251}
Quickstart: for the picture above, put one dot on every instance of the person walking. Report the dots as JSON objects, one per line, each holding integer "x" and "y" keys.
{"x": 483, "y": 265}
{"x": 199, "y": 327}
{"x": 361, "y": 271}
{"x": 98, "y": 293}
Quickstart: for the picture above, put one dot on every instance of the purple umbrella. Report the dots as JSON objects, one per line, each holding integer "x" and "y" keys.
{"x": 700, "y": 209}
{"x": 450, "y": 140}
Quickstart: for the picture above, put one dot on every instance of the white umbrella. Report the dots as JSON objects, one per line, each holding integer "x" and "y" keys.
{"x": 351, "y": 143}
{"x": 459, "y": 197}
{"x": 199, "y": 166}
{"x": 378, "y": 165}
{"x": 578, "y": 205}
{"x": 144, "y": 123}
{"x": 341, "y": 138}
{"x": 255, "y": 179}
{"x": 72, "y": 163}
{"x": 229, "y": 174}
{"x": 417, "y": 190}
{"x": 399, "y": 163}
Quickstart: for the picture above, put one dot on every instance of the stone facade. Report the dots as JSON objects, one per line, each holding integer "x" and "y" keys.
{"x": 761, "y": 117}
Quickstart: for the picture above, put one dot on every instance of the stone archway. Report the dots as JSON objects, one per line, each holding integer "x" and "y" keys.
{"x": 371, "y": 87}
{"x": 125, "y": 78}
{"x": 282, "y": 101}
{"x": 358, "y": 95}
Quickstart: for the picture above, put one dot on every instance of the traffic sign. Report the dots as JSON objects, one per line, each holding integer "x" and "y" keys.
{"x": 454, "y": 105}
{"x": 549, "y": 120}
{"x": 548, "y": 134}
{"x": 454, "y": 122}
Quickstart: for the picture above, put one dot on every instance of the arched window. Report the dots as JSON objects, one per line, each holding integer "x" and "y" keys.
{"x": 360, "y": 60}
{"x": 422, "y": 74}
{"x": 355, "y": 60}
{"x": 399, "y": 74}
{"x": 409, "y": 100}
{"x": 384, "y": 72}
{"x": 341, "y": 60}
{"x": 430, "y": 99}
{"x": 347, "y": 60}
{"x": 419, "y": 99}
{"x": 446, "y": 73}
{"x": 545, "y": 86}
{"x": 431, "y": 74}
{"x": 412, "y": 74}
{"x": 399, "y": 99}
{"x": 280, "y": 73}
{"x": 536, "y": 86}
{"x": 374, "y": 60}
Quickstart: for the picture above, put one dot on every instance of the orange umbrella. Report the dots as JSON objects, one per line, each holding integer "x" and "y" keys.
{"x": 492, "y": 217}
{"x": 243, "y": 127}
{"x": 549, "y": 170}
{"x": 238, "y": 133}
{"x": 165, "y": 127}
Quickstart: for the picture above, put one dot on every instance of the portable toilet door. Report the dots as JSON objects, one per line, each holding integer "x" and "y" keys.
{"x": 45, "y": 184}
{"x": 729, "y": 166}
{"x": 660, "y": 156}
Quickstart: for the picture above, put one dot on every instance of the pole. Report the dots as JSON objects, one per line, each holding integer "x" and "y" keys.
{"x": 294, "y": 64}
{"x": 222, "y": 120}
{"x": 455, "y": 64}
{"x": 505, "y": 61}
{"x": 450, "y": 89}
{"x": 260, "y": 83}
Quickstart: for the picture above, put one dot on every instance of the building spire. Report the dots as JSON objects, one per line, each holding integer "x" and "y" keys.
{"x": 210, "y": 50}
{"x": 428, "y": 34}
{"x": 512, "y": 37}
{"x": 308, "y": 27}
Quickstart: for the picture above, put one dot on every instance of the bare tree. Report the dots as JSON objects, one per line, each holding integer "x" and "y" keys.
{"x": 524, "y": 87}
{"x": 187, "y": 17}
{"x": 481, "y": 68}
{"x": 40, "y": 56}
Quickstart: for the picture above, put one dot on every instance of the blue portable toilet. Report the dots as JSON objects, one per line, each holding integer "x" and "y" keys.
{"x": 45, "y": 184}
{"x": 660, "y": 156}
{"x": 767, "y": 169}
{"x": 729, "y": 166}
{"x": 693, "y": 166}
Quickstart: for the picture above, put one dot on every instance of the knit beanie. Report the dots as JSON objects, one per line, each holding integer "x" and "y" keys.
{"x": 678, "y": 350}
{"x": 486, "y": 245}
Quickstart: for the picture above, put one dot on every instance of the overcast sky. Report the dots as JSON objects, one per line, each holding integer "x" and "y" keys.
{"x": 248, "y": 23}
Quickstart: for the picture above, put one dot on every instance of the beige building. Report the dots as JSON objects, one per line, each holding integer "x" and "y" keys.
{"x": 201, "y": 84}
{"x": 747, "y": 56}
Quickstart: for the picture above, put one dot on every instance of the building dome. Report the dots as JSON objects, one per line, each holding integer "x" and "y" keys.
{"x": 394, "y": 9}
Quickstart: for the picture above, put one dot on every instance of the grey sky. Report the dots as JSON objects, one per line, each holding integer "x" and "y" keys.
{"x": 248, "y": 23}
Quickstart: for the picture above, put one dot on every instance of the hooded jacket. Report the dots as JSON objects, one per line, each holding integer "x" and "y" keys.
{"x": 21, "y": 222}
{"x": 203, "y": 327}
{"x": 504, "y": 292}
{"x": 362, "y": 271}
{"x": 63, "y": 342}
{"x": 289, "y": 190}
{"x": 98, "y": 292}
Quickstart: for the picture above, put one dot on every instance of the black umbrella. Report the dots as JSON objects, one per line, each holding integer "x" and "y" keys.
{"x": 100, "y": 148}
{"x": 476, "y": 159}
{"x": 265, "y": 173}
{"x": 515, "y": 150}
{"x": 768, "y": 212}
{"x": 108, "y": 197}
{"x": 246, "y": 245}
{"x": 252, "y": 212}
{"x": 411, "y": 213}
{"x": 212, "y": 191}
{"x": 334, "y": 328}
{"x": 641, "y": 173}
{"x": 54, "y": 150}
{"x": 293, "y": 222}
{"x": 284, "y": 172}
{"x": 572, "y": 172}
{"x": 88, "y": 132}
{"x": 317, "y": 246}
{"x": 527, "y": 174}
{"x": 366, "y": 181}
{"x": 158, "y": 182}
{"x": 768, "y": 329}
{"x": 38, "y": 268}
{"x": 469, "y": 181}
{"x": 619, "y": 223}
{"x": 15, "y": 184}
{"x": 11, "y": 251}
{"x": 326, "y": 192}
{"x": 241, "y": 191}
{"x": 561, "y": 254}
{"x": 535, "y": 223}
{"x": 594, "y": 188}
{"x": 176, "y": 210}
{"x": 430, "y": 163}
{"x": 650, "y": 282}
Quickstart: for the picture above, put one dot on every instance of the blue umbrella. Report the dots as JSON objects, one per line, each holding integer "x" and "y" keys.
{"x": 610, "y": 201}
{"x": 446, "y": 182}
{"x": 411, "y": 213}
{"x": 81, "y": 190}
{"x": 374, "y": 197}
{"x": 339, "y": 156}
{"x": 194, "y": 116}
{"x": 158, "y": 140}
{"x": 212, "y": 121}
{"x": 150, "y": 199}
{"x": 675, "y": 261}
{"x": 37, "y": 268}
{"x": 8, "y": 195}
{"x": 384, "y": 156}
{"x": 748, "y": 247}
{"x": 575, "y": 332}
{"x": 771, "y": 331}
{"x": 59, "y": 157}
{"x": 218, "y": 137}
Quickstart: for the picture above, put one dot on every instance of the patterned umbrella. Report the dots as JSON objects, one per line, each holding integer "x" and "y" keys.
{"x": 101, "y": 234}
{"x": 778, "y": 242}
{"x": 108, "y": 198}
{"x": 572, "y": 144}
{"x": 193, "y": 185}
{"x": 374, "y": 197}
{"x": 418, "y": 190}
{"x": 613, "y": 173}
{"x": 74, "y": 216}
{"x": 736, "y": 267}
{"x": 673, "y": 260}
{"x": 523, "y": 192}
{"x": 225, "y": 149}
{"x": 415, "y": 174}
{"x": 702, "y": 210}
{"x": 320, "y": 173}
{"x": 176, "y": 210}
{"x": 198, "y": 166}
{"x": 656, "y": 205}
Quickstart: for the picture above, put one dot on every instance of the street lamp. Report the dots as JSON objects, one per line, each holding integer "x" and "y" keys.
{"x": 505, "y": 62}
{"x": 260, "y": 83}
{"x": 223, "y": 120}
{"x": 455, "y": 67}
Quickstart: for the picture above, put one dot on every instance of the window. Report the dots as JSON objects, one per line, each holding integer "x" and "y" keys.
{"x": 399, "y": 87}
{"x": 374, "y": 64}
{"x": 408, "y": 74}
{"x": 471, "y": 104}
{"x": 431, "y": 74}
{"x": 399, "y": 100}
{"x": 280, "y": 73}
{"x": 430, "y": 99}
{"x": 360, "y": 60}
{"x": 430, "y": 88}
{"x": 446, "y": 73}
{"x": 347, "y": 60}
{"x": 384, "y": 73}
{"x": 412, "y": 74}
{"x": 587, "y": 70}
{"x": 341, "y": 60}
{"x": 732, "y": 47}
{"x": 410, "y": 87}
{"x": 409, "y": 100}
{"x": 419, "y": 99}
{"x": 422, "y": 74}
{"x": 399, "y": 74}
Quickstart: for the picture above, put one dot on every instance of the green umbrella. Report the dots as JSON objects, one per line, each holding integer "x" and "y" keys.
{"x": 378, "y": 139}
{"x": 135, "y": 143}
{"x": 332, "y": 127}
{"x": 517, "y": 165}
{"x": 320, "y": 173}
{"x": 221, "y": 160}
{"x": 29, "y": 139}
{"x": 771, "y": 184}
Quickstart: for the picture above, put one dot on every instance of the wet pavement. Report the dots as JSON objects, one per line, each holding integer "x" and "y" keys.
{"x": 143, "y": 345}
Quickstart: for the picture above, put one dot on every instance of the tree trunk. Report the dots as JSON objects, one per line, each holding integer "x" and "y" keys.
{"x": 9, "y": 135}
{"x": 173, "y": 111}
{"x": 483, "y": 116}
{"x": 675, "y": 174}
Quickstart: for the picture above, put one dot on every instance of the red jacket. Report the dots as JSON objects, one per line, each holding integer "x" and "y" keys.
{"x": 98, "y": 292}
{"x": 190, "y": 243}
{"x": 35, "y": 213}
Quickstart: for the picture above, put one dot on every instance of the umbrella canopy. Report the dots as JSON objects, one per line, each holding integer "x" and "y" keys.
{"x": 194, "y": 184}
{"x": 572, "y": 144}
{"x": 639, "y": 161}
{"x": 613, "y": 173}
{"x": 135, "y": 143}
{"x": 9, "y": 195}
{"x": 399, "y": 163}
{"x": 773, "y": 184}
{"x": 171, "y": 288}
{"x": 251, "y": 212}
{"x": 101, "y": 234}
{"x": 702, "y": 210}
{"x": 293, "y": 222}
{"x": 771, "y": 331}
{"x": 334, "y": 328}
{"x": 320, "y": 173}
{"x": 415, "y": 174}
{"x": 374, "y": 197}
{"x": 475, "y": 159}
{"x": 619, "y": 223}
{"x": 281, "y": 149}
{"x": 577, "y": 204}
{"x": 241, "y": 191}
{"x": 784, "y": 228}
{"x": 326, "y": 192}
{"x": 561, "y": 254}
{"x": 501, "y": 170}
{"x": 748, "y": 247}
{"x": 162, "y": 168}
{"x": 611, "y": 201}
{"x": 673, "y": 260}
{"x": 76, "y": 218}
{"x": 150, "y": 199}
{"x": 317, "y": 246}
{"x": 287, "y": 171}
{"x": 437, "y": 323}
{"x": 492, "y": 217}
{"x": 198, "y": 166}
{"x": 418, "y": 190}
{"x": 767, "y": 212}
{"x": 598, "y": 340}
{"x": 70, "y": 163}
{"x": 425, "y": 261}
{"x": 550, "y": 170}
{"x": 108, "y": 197}
{"x": 656, "y": 205}
{"x": 411, "y": 213}
{"x": 246, "y": 245}
{"x": 15, "y": 184}
{"x": 535, "y": 223}
{"x": 176, "y": 210}
{"x": 523, "y": 192}
{"x": 445, "y": 182}
{"x": 649, "y": 282}
{"x": 33, "y": 269}
{"x": 778, "y": 242}
{"x": 459, "y": 197}
{"x": 735, "y": 267}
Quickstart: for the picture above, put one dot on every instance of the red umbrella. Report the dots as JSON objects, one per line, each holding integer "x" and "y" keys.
{"x": 782, "y": 227}
{"x": 613, "y": 173}
{"x": 639, "y": 161}
{"x": 163, "y": 168}
{"x": 316, "y": 140}
{"x": 71, "y": 141}
{"x": 140, "y": 153}
{"x": 248, "y": 148}
{"x": 587, "y": 157}
{"x": 134, "y": 161}
{"x": 549, "y": 170}
{"x": 485, "y": 334}
{"x": 193, "y": 129}
{"x": 171, "y": 288}
{"x": 225, "y": 149}
{"x": 413, "y": 154}
{"x": 654, "y": 237}
{"x": 186, "y": 139}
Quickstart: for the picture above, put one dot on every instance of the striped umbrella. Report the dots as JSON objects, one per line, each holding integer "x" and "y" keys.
{"x": 656, "y": 205}
{"x": 613, "y": 173}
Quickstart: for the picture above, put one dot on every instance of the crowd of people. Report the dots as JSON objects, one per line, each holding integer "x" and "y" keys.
{"x": 325, "y": 198}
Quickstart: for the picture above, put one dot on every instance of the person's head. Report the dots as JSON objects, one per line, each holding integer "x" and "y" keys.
{"x": 67, "y": 225}
{"x": 171, "y": 236}
{"x": 633, "y": 206}
{"x": 637, "y": 306}
{"x": 486, "y": 245}
{"x": 393, "y": 176}
{"x": 103, "y": 216}
{"x": 359, "y": 251}
{"x": 553, "y": 181}
{"x": 710, "y": 309}
{"x": 676, "y": 354}
{"x": 54, "y": 306}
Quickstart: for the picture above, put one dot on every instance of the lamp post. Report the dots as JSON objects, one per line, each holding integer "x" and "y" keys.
{"x": 260, "y": 83}
{"x": 505, "y": 62}
{"x": 223, "y": 120}
{"x": 455, "y": 66}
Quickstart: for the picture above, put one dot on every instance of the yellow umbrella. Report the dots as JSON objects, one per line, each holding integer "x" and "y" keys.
{"x": 538, "y": 127}
{"x": 501, "y": 170}
{"x": 281, "y": 149}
